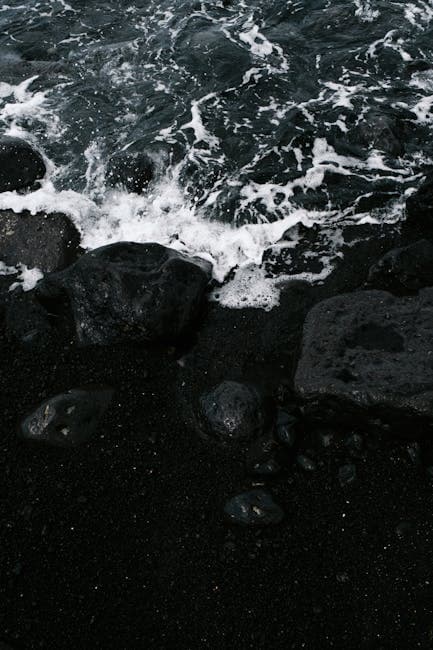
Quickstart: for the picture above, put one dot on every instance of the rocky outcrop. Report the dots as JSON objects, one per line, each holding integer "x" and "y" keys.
{"x": 370, "y": 353}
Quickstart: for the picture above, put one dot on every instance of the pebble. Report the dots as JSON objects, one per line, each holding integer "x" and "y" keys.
{"x": 346, "y": 474}
{"x": 253, "y": 508}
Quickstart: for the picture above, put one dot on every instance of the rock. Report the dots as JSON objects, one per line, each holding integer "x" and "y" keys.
{"x": 346, "y": 474}
{"x": 370, "y": 354}
{"x": 285, "y": 428}
{"x": 26, "y": 320}
{"x": 253, "y": 508}
{"x": 232, "y": 412}
{"x": 48, "y": 242}
{"x": 419, "y": 205}
{"x": 354, "y": 444}
{"x": 131, "y": 292}
{"x": 306, "y": 463}
{"x": 20, "y": 165}
{"x": 131, "y": 170}
{"x": 263, "y": 457}
{"x": 69, "y": 419}
{"x": 404, "y": 269}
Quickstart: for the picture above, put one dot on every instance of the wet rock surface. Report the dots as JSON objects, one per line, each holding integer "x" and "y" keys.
{"x": 20, "y": 164}
{"x": 419, "y": 205}
{"x": 232, "y": 412}
{"x": 406, "y": 269}
{"x": 67, "y": 420}
{"x": 131, "y": 292}
{"x": 48, "y": 242}
{"x": 370, "y": 351}
{"x": 131, "y": 171}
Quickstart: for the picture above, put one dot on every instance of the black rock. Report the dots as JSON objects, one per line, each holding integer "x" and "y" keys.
{"x": 371, "y": 353}
{"x": 131, "y": 292}
{"x": 131, "y": 170}
{"x": 48, "y": 242}
{"x": 285, "y": 428}
{"x": 67, "y": 420}
{"x": 346, "y": 474}
{"x": 354, "y": 444}
{"x": 306, "y": 463}
{"x": 26, "y": 320}
{"x": 232, "y": 412}
{"x": 20, "y": 165}
{"x": 419, "y": 205}
{"x": 263, "y": 457}
{"x": 404, "y": 269}
{"x": 253, "y": 508}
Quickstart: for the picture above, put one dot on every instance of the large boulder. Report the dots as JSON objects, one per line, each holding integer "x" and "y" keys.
{"x": 130, "y": 170}
{"x": 370, "y": 354}
{"x": 231, "y": 413}
{"x": 404, "y": 269}
{"x": 419, "y": 205}
{"x": 69, "y": 419}
{"x": 48, "y": 242}
{"x": 20, "y": 164}
{"x": 131, "y": 292}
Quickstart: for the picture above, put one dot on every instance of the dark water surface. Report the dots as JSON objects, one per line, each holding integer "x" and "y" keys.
{"x": 259, "y": 115}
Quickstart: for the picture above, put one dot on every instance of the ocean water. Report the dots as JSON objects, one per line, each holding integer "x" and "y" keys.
{"x": 259, "y": 115}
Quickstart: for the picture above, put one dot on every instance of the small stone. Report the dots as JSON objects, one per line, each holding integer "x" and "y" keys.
{"x": 404, "y": 529}
{"x": 69, "y": 419}
{"x": 354, "y": 445}
{"x": 347, "y": 474}
{"x": 232, "y": 412}
{"x": 285, "y": 428}
{"x": 253, "y": 508}
{"x": 306, "y": 463}
{"x": 414, "y": 452}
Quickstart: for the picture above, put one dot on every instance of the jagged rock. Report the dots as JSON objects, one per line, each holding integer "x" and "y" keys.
{"x": 131, "y": 170}
{"x": 131, "y": 292}
{"x": 253, "y": 508}
{"x": 232, "y": 412}
{"x": 404, "y": 269}
{"x": 371, "y": 353}
{"x": 20, "y": 165}
{"x": 69, "y": 419}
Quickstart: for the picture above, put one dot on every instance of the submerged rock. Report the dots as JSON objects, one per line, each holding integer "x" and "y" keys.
{"x": 419, "y": 206}
{"x": 69, "y": 419}
{"x": 253, "y": 508}
{"x": 263, "y": 457}
{"x": 372, "y": 353}
{"x": 232, "y": 412}
{"x": 20, "y": 165}
{"x": 131, "y": 170}
{"x": 48, "y": 242}
{"x": 131, "y": 292}
{"x": 381, "y": 131}
{"x": 404, "y": 269}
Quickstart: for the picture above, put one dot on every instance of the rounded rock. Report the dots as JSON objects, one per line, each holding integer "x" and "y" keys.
{"x": 253, "y": 508}
{"x": 20, "y": 165}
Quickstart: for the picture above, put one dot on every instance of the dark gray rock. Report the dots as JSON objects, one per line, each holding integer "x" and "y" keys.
{"x": 131, "y": 292}
{"x": 253, "y": 508}
{"x": 347, "y": 474}
{"x": 20, "y": 165}
{"x": 404, "y": 269}
{"x": 306, "y": 463}
{"x": 131, "y": 170}
{"x": 232, "y": 412}
{"x": 48, "y": 242}
{"x": 67, "y": 420}
{"x": 371, "y": 353}
{"x": 419, "y": 205}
